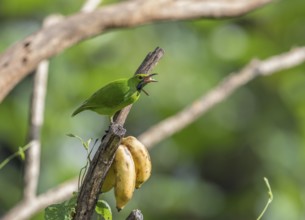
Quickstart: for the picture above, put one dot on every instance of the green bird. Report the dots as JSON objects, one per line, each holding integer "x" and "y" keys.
{"x": 116, "y": 95}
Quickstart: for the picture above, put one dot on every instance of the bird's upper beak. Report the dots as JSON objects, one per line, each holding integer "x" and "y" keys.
{"x": 149, "y": 79}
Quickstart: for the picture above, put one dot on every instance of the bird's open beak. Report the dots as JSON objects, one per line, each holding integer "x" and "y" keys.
{"x": 149, "y": 79}
{"x": 146, "y": 80}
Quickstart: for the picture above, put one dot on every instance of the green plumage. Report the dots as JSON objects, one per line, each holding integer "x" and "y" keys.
{"x": 116, "y": 95}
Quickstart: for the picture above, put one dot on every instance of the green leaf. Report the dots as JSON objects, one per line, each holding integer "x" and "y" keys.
{"x": 103, "y": 209}
{"x": 70, "y": 135}
{"x": 62, "y": 211}
{"x": 85, "y": 144}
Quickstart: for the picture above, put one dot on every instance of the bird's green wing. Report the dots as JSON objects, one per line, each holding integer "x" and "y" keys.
{"x": 108, "y": 99}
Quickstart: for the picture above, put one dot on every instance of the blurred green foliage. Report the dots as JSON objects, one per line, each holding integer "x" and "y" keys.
{"x": 212, "y": 169}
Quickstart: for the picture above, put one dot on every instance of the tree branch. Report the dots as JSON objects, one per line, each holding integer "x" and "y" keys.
{"x": 135, "y": 215}
{"x": 103, "y": 158}
{"x": 32, "y": 163}
{"x": 23, "y": 57}
{"x": 224, "y": 89}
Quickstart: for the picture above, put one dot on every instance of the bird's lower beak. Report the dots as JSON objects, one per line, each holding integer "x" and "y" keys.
{"x": 149, "y": 79}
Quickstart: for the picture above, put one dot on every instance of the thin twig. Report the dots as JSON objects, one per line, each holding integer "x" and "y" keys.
{"x": 269, "y": 199}
{"x": 24, "y": 56}
{"x": 21, "y": 152}
{"x": 226, "y": 87}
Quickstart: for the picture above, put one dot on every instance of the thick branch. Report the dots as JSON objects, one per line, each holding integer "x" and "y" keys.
{"x": 24, "y": 56}
{"x": 103, "y": 158}
{"x": 224, "y": 89}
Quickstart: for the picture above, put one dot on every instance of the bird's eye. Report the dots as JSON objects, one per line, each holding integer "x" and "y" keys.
{"x": 140, "y": 77}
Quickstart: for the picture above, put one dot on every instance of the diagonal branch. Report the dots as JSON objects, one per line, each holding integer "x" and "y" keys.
{"x": 224, "y": 89}
{"x": 103, "y": 158}
{"x": 23, "y": 57}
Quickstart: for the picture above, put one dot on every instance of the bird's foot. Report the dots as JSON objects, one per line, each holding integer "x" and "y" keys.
{"x": 104, "y": 137}
{"x": 106, "y": 131}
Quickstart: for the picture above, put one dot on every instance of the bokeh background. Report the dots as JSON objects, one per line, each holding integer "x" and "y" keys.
{"x": 212, "y": 169}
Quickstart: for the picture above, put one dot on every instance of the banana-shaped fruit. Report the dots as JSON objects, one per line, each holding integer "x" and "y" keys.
{"x": 109, "y": 180}
{"x": 125, "y": 175}
{"x": 141, "y": 159}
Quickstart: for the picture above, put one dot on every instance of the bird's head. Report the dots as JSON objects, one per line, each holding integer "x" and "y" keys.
{"x": 143, "y": 79}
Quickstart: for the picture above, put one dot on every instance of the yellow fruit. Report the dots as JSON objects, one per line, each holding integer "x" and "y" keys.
{"x": 109, "y": 180}
{"x": 125, "y": 175}
{"x": 141, "y": 159}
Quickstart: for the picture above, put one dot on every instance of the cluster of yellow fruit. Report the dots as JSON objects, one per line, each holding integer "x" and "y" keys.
{"x": 130, "y": 169}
